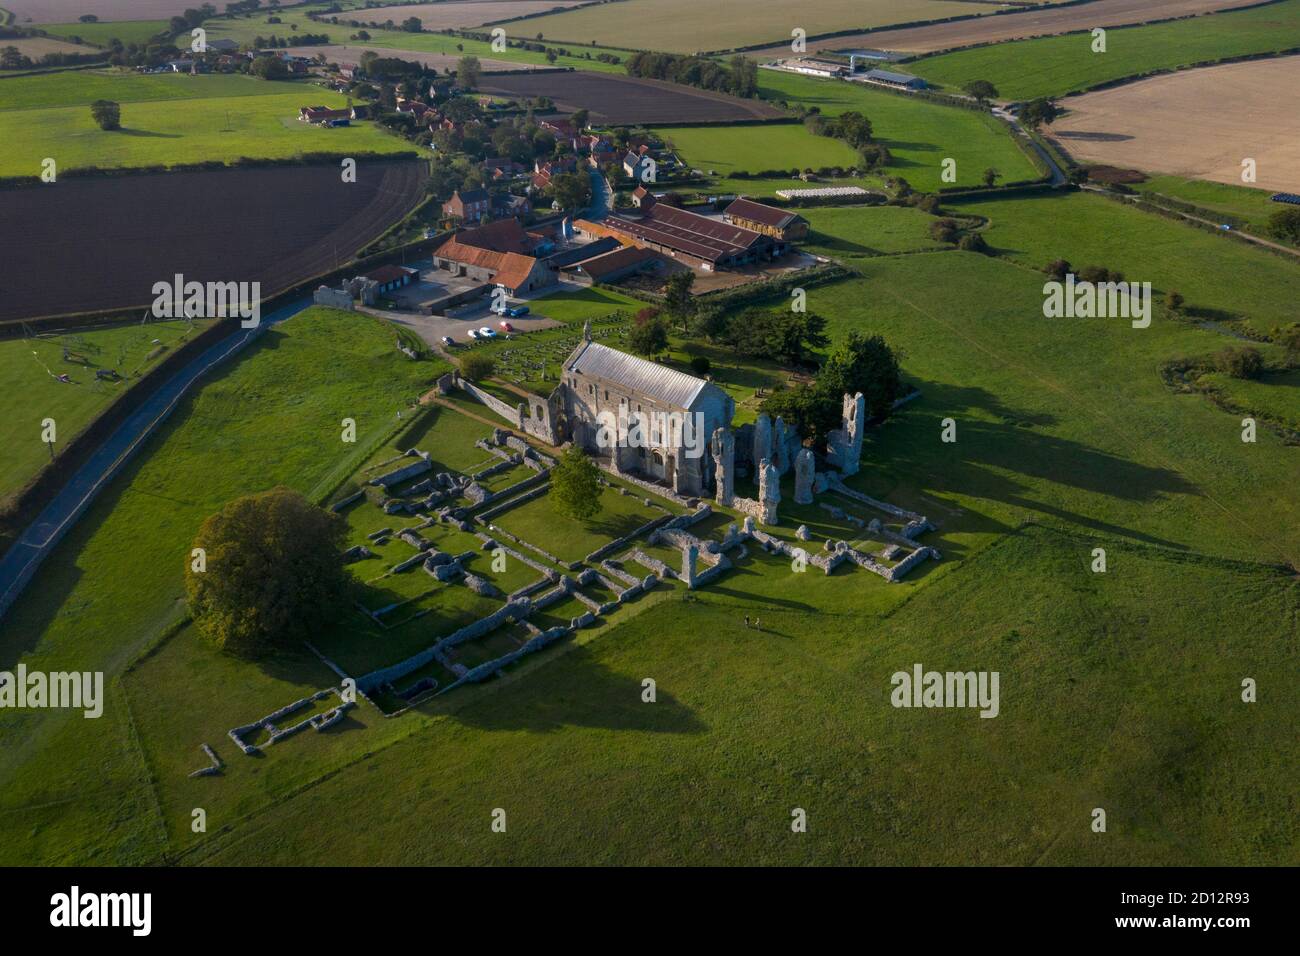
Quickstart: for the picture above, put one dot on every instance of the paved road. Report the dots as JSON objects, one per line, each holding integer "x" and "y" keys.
{"x": 22, "y": 560}
{"x": 1058, "y": 175}
{"x": 602, "y": 201}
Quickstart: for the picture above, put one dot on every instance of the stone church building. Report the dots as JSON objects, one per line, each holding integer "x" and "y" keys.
{"x": 677, "y": 413}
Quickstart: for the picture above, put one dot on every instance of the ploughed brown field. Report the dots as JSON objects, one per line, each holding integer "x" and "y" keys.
{"x": 67, "y": 11}
{"x": 1016, "y": 26}
{"x": 628, "y": 100}
{"x": 460, "y": 13}
{"x": 343, "y": 53}
{"x": 1199, "y": 124}
{"x": 85, "y": 245}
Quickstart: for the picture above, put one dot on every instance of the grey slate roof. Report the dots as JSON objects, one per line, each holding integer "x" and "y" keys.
{"x": 636, "y": 374}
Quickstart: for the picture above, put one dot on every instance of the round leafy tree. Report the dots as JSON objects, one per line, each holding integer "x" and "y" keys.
{"x": 575, "y": 485}
{"x": 271, "y": 572}
{"x": 107, "y": 114}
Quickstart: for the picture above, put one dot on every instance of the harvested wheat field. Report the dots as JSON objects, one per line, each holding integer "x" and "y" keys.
{"x": 463, "y": 14}
{"x": 37, "y": 47}
{"x": 933, "y": 37}
{"x": 1198, "y": 123}
{"x": 67, "y": 11}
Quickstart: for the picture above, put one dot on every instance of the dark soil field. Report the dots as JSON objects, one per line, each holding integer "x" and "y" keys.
{"x": 101, "y": 244}
{"x": 627, "y": 100}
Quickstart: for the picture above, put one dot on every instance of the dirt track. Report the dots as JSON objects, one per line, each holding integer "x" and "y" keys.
{"x": 1015, "y": 26}
{"x": 1198, "y": 123}
{"x": 101, "y": 244}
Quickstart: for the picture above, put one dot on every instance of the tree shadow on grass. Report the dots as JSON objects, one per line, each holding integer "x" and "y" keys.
{"x": 126, "y": 131}
{"x": 579, "y": 691}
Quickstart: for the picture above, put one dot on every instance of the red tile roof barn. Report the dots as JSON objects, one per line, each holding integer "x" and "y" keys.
{"x": 758, "y": 212}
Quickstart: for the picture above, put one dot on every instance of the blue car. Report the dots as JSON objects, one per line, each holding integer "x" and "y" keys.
{"x": 517, "y": 311}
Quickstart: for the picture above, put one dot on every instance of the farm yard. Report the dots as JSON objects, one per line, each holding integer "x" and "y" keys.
{"x": 626, "y": 100}
{"x": 1198, "y": 124}
{"x": 1056, "y": 66}
{"x": 676, "y": 26}
{"x": 277, "y": 226}
{"x": 972, "y": 31}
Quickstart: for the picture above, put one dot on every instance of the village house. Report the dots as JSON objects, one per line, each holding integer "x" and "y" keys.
{"x": 771, "y": 220}
{"x": 391, "y": 278}
{"x": 468, "y": 206}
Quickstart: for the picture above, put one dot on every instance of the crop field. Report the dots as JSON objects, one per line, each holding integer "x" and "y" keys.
{"x": 31, "y": 368}
{"x": 1198, "y": 124}
{"x": 37, "y": 47}
{"x": 920, "y": 135}
{"x": 686, "y": 26}
{"x": 752, "y": 149}
{"x": 459, "y": 16}
{"x": 144, "y": 231}
{"x": 67, "y": 11}
{"x": 1222, "y": 280}
{"x": 932, "y": 37}
{"x": 170, "y": 132}
{"x": 1055, "y": 66}
{"x": 627, "y": 100}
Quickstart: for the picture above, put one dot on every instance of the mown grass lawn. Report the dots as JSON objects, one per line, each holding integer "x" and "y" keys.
{"x": 539, "y": 523}
{"x": 856, "y": 232}
{"x": 116, "y": 581}
{"x": 919, "y": 134}
{"x": 183, "y": 131}
{"x": 30, "y": 368}
{"x": 1055, "y": 66}
{"x": 752, "y": 149}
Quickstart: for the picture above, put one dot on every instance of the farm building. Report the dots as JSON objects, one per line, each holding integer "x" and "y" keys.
{"x": 814, "y": 66}
{"x": 697, "y": 240}
{"x": 900, "y": 81}
{"x": 469, "y": 206}
{"x": 612, "y": 265}
{"x": 516, "y": 272}
{"x": 770, "y": 220}
{"x": 391, "y": 278}
{"x": 317, "y": 115}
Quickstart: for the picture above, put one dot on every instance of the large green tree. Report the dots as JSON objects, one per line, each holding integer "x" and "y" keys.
{"x": 575, "y": 485}
{"x": 271, "y": 573}
{"x": 107, "y": 114}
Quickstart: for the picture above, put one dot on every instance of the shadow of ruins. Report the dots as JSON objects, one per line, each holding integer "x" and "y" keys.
{"x": 576, "y": 690}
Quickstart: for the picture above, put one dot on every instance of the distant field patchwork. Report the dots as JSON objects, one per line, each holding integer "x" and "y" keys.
{"x": 67, "y": 11}
{"x": 1055, "y": 66}
{"x": 453, "y": 15}
{"x": 689, "y": 26}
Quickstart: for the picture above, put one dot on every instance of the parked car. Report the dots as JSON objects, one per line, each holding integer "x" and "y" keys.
{"x": 448, "y": 341}
{"x": 517, "y": 311}
{"x": 506, "y": 327}
{"x": 473, "y": 333}
{"x": 486, "y": 333}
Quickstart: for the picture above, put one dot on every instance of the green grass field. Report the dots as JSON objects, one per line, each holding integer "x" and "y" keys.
{"x": 99, "y": 34}
{"x": 727, "y": 149}
{"x": 1055, "y": 66}
{"x": 1221, "y": 279}
{"x": 83, "y": 87}
{"x": 1250, "y": 206}
{"x": 228, "y": 439}
{"x": 854, "y": 232}
{"x": 31, "y": 368}
{"x": 174, "y": 131}
{"x": 919, "y": 134}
